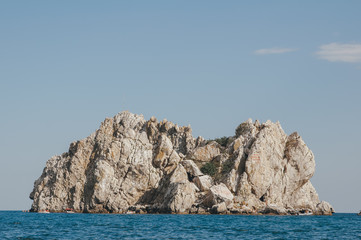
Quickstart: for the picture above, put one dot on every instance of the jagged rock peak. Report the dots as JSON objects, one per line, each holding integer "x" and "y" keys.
{"x": 133, "y": 165}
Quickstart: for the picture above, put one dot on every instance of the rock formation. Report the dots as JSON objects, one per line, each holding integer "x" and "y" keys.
{"x": 133, "y": 165}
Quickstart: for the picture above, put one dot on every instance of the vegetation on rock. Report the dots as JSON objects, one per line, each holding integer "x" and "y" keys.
{"x": 227, "y": 166}
{"x": 242, "y": 128}
{"x": 209, "y": 169}
{"x": 223, "y": 141}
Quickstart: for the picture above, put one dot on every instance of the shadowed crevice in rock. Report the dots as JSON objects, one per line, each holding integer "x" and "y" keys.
{"x": 89, "y": 185}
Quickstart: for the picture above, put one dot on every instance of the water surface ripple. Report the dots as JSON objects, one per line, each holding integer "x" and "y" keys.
{"x": 19, "y": 225}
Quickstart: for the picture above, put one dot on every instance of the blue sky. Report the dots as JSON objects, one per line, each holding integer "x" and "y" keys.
{"x": 66, "y": 65}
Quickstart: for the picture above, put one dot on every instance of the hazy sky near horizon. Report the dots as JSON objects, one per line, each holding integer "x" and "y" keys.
{"x": 66, "y": 65}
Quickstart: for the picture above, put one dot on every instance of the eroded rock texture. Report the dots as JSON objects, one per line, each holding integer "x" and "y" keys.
{"x": 133, "y": 165}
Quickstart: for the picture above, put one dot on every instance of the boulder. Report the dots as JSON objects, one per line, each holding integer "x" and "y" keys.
{"x": 273, "y": 209}
{"x": 324, "y": 208}
{"x": 205, "y": 153}
{"x": 219, "y": 208}
{"x": 181, "y": 198}
{"x": 191, "y": 168}
{"x": 203, "y": 182}
{"x": 218, "y": 194}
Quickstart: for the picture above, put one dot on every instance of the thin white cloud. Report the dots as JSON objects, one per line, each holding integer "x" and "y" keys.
{"x": 275, "y": 50}
{"x": 336, "y": 52}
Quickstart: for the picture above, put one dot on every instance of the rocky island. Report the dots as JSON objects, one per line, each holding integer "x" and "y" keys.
{"x": 131, "y": 165}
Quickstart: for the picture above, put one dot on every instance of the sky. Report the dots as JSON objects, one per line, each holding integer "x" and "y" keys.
{"x": 67, "y": 65}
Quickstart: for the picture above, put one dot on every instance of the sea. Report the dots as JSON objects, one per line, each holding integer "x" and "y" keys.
{"x": 25, "y": 225}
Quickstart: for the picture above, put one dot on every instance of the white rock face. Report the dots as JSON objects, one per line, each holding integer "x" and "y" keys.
{"x": 218, "y": 194}
{"x": 203, "y": 182}
{"x": 151, "y": 166}
{"x": 205, "y": 153}
{"x": 219, "y": 208}
{"x": 324, "y": 208}
{"x": 192, "y": 168}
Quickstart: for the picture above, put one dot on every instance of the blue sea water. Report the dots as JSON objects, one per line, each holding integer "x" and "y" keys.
{"x": 19, "y": 225}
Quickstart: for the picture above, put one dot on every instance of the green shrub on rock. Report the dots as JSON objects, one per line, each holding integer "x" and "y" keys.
{"x": 209, "y": 169}
{"x": 227, "y": 166}
{"x": 223, "y": 141}
{"x": 243, "y": 128}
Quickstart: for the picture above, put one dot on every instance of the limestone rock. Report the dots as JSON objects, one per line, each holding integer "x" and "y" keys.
{"x": 324, "y": 208}
{"x": 191, "y": 168}
{"x": 218, "y": 194}
{"x": 203, "y": 182}
{"x": 205, "y": 153}
{"x": 133, "y": 165}
{"x": 274, "y": 209}
{"x": 181, "y": 198}
{"x": 219, "y": 208}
